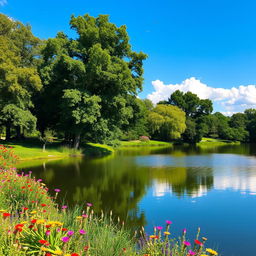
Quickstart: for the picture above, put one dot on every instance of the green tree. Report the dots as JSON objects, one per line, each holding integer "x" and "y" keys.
{"x": 19, "y": 79}
{"x": 191, "y": 104}
{"x": 167, "y": 122}
{"x": 100, "y": 64}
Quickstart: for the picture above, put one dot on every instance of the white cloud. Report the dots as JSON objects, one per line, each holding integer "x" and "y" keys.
{"x": 3, "y": 2}
{"x": 229, "y": 101}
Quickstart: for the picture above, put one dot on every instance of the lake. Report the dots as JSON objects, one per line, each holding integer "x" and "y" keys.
{"x": 210, "y": 188}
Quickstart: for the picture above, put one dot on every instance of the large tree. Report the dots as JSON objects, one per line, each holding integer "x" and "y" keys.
{"x": 19, "y": 79}
{"x": 97, "y": 67}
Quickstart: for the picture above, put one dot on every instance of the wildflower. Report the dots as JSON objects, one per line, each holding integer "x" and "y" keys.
{"x": 86, "y": 248}
{"x": 204, "y": 238}
{"x": 79, "y": 217}
{"x": 159, "y": 228}
{"x": 43, "y": 205}
{"x": 58, "y": 252}
{"x": 57, "y": 190}
{"x": 153, "y": 237}
{"x": 6, "y": 214}
{"x": 186, "y": 243}
{"x": 48, "y": 232}
{"x": 65, "y": 239}
{"x": 168, "y": 222}
{"x": 64, "y": 207}
{"x": 33, "y": 221}
{"x": 40, "y": 221}
{"x": 44, "y": 242}
{"x": 198, "y": 242}
{"x": 70, "y": 233}
{"x": 84, "y": 215}
{"x": 74, "y": 254}
{"x": 191, "y": 253}
{"x": 167, "y": 233}
{"x": 33, "y": 212}
{"x": 82, "y": 232}
{"x": 212, "y": 252}
{"x": 89, "y": 204}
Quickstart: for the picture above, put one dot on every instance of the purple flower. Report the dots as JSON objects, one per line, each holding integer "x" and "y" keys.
{"x": 82, "y": 232}
{"x": 57, "y": 190}
{"x": 65, "y": 239}
{"x": 184, "y": 230}
{"x": 64, "y": 207}
{"x": 168, "y": 222}
{"x": 89, "y": 204}
{"x": 70, "y": 233}
{"x": 191, "y": 252}
{"x": 39, "y": 180}
{"x": 186, "y": 243}
{"x": 159, "y": 228}
{"x": 47, "y": 232}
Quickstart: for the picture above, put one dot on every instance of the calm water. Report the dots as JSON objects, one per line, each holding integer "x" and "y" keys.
{"x": 214, "y": 189}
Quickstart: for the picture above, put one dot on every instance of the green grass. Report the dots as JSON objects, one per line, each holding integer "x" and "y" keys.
{"x": 138, "y": 143}
{"x": 94, "y": 149}
{"x": 216, "y": 142}
{"x": 32, "y": 149}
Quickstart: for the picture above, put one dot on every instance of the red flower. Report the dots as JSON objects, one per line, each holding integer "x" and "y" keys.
{"x": 25, "y": 208}
{"x": 43, "y": 205}
{"x": 33, "y": 221}
{"x": 19, "y": 226}
{"x": 86, "y": 248}
{"x": 74, "y": 254}
{"x": 6, "y": 214}
{"x": 198, "y": 242}
{"x": 44, "y": 242}
{"x": 48, "y": 254}
{"x": 64, "y": 229}
{"x": 30, "y": 226}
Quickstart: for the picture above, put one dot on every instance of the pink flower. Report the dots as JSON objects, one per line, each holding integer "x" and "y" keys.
{"x": 70, "y": 233}
{"x": 65, "y": 239}
{"x": 168, "y": 222}
{"x": 47, "y": 232}
{"x": 64, "y": 207}
{"x": 191, "y": 252}
{"x": 82, "y": 232}
{"x": 159, "y": 228}
{"x": 186, "y": 243}
{"x": 57, "y": 190}
{"x": 84, "y": 215}
{"x": 89, "y": 204}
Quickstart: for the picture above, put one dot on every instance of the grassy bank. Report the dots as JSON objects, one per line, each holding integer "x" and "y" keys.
{"x": 138, "y": 143}
{"x": 216, "y": 142}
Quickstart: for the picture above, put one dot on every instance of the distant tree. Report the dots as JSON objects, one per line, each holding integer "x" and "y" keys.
{"x": 191, "y": 104}
{"x": 167, "y": 122}
{"x": 251, "y": 123}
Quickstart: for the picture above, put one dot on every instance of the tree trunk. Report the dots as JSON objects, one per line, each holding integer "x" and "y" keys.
{"x": 77, "y": 141}
{"x": 18, "y": 132}
{"x": 44, "y": 147}
{"x": 8, "y": 132}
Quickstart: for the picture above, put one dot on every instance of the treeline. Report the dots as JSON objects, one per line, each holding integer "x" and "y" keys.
{"x": 85, "y": 88}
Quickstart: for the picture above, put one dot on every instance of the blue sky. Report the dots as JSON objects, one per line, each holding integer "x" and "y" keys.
{"x": 195, "y": 45}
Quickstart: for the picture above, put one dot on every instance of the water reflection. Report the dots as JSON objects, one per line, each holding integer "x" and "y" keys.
{"x": 133, "y": 181}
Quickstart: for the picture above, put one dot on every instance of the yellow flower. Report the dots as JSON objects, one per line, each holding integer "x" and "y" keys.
{"x": 58, "y": 252}
{"x": 67, "y": 254}
{"x": 44, "y": 249}
{"x": 33, "y": 212}
{"x": 54, "y": 223}
{"x": 79, "y": 217}
{"x": 24, "y": 222}
{"x": 40, "y": 221}
{"x": 2, "y": 211}
{"x": 167, "y": 233}
{"x": 204, "y": 255}
{"x": 211, "y": 251}
{"x": 153, "y": 236}
{"x": 204, "y": 238}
